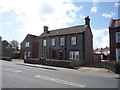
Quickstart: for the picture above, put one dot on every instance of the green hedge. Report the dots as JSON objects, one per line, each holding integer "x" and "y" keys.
{"x": 115, "y": 67}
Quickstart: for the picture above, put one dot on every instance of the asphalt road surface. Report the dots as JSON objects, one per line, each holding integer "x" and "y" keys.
{"x": 20, "y": 76}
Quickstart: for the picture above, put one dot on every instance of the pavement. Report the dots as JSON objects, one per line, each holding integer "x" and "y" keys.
{"x": 95, "y": 67}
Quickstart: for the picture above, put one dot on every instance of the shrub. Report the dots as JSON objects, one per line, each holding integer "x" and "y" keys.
{"x": 113, "y": 66}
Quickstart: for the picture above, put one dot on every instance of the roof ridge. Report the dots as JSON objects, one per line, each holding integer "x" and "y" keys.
{"x": 32, "y": 35}
{"x": 68, "y": 27}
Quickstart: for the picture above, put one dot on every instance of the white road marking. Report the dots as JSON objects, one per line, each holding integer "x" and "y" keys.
{"x": 11, "y": 70}
{"x": 60, "y": 81}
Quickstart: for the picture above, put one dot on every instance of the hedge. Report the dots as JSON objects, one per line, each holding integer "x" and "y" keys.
{"x": 113, "y": 66}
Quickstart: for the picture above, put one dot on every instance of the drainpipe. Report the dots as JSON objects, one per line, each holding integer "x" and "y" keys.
{"x": 65, "y": 47}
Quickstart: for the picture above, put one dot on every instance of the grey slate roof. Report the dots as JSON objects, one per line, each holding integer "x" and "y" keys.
{"x": 64, "y": 31}
{"x": 30, "y": 35}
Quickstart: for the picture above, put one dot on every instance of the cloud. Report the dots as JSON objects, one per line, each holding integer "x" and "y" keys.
{"x": 100, "y": 38}
{"x": 117, "y": 4}
{"x": 82, "y": 16}
{"x": 8, "y": 23}
{"x": 34, "y": 14}
{"x": 93, "y": 9}
{"x": 109, "y": 15}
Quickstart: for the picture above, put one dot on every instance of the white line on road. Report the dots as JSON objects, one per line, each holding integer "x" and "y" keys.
{"x": 11, "y": 70}
{"x": 60, "y": 81}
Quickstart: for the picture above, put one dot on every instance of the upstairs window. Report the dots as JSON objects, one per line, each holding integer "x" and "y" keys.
{"x": 53, "y": 42}
{"x": 44, "y": 43}
{"x": 62, "y": 41}
{"x": 118, "y": 37}
{"x": 73, "y": 40}
{"x": 27, "y": 44}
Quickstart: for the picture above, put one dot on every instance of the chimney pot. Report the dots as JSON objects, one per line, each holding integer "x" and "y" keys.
{"x": 45, "y": 29}
{"x": 87, "y": 21}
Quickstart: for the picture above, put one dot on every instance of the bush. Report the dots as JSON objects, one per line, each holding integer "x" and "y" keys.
{"x": 113, "y": 66}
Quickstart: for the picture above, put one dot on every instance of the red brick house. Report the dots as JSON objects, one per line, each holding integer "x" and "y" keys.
{"x": 72, "y": 43}
{"x": 114, "y": 31}
{"x": 29, "y": 47}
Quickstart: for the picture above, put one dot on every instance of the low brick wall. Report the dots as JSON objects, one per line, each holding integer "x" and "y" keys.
{"x": 62, "y": 63}
{"x": 51, "y": 62}
{"x": 7, "y": 58}
{"x": 32, "y": 61}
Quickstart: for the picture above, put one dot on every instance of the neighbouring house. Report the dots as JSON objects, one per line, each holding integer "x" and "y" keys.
{"x": 104, "y": 52}
{"x": 29, "y": 47}
{"x": 114, "y": 31}
{"x": 7, "y": 50}
{"x": 72, "y": 43}
{"x": 0, "y": 47}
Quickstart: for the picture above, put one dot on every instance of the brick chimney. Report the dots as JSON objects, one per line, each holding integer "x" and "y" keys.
{"x": 87, "y": 21}
{"x": 45, "y": 29}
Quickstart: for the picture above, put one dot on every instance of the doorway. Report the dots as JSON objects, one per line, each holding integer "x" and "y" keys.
{"x": 60, "y": 55}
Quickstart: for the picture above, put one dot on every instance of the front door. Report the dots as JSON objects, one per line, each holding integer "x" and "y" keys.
{"x": 60, "y": 55}
{"x": 118, "y": 54}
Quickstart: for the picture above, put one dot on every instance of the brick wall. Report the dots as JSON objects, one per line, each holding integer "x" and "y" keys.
{"x": 113, "y": 44}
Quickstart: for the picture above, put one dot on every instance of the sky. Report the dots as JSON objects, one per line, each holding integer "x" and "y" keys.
{"x": 21, "y": 17}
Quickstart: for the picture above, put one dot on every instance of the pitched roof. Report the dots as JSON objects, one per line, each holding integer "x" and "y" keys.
{"x": 114, "y": 23}
{"x": 64, "y": 31}
{"x": 30, "y": 35}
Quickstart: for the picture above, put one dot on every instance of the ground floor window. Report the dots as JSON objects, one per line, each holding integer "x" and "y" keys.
{"x": 54, "y": 54}
{"x": 44, "y": 54}
{"x": 25, "y": 55}
{"x": 29, "y": 54}
{"x": 74, "y": 55}
{"x": 118, "y": 54}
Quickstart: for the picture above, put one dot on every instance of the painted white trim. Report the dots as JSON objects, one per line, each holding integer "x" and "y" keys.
{"x": 118, "y": 54}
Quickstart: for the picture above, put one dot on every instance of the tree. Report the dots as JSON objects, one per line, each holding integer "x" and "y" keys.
{"x": 15, "y": 46}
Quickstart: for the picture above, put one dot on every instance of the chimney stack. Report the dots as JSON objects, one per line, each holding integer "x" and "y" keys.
{"x": 87, "y": 21}
{"x": 45, "y": 29}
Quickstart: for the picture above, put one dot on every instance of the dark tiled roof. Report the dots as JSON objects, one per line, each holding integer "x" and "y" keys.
{"x": 30, "y": 35}
{"x": 64, "y": 31}
{"x": 114, "y": 23}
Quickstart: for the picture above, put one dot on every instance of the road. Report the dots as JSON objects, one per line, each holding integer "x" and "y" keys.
{"x": 20, "y": 76}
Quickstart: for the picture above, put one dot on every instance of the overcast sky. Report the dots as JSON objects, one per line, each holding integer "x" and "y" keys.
{"x": 21, "y": 17}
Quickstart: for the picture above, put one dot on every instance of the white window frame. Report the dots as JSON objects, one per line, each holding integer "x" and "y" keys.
{"x": 29, "y": 54}
{"x": 117, "y": 37}
{"x": 44, "y": 42}
{"x": 27, "y": 44}
{"x": 118, "y": 54}
{"x": 73, "y": 40}
{"x": 62, "y": 41}
{"x": 25, "y": 55}
{"x": 53, "y": 42}
{"x": 73, "y": 55}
